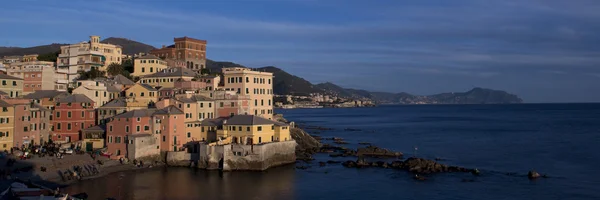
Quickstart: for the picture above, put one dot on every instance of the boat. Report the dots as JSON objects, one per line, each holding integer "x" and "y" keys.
{"x": 30, "y": 191}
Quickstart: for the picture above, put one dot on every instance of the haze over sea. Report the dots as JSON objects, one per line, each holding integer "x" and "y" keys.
{"x": 560, "y": 140}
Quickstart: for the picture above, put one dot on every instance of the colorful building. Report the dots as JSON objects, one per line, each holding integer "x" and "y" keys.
{"x": 71, "y": 115}
{"x": 171, "y": 128}
{"x": 36, "y": 75}
{"x": 142, "y": 93}
{"x": 46, "y": 98}
{"x": 7, "y": 121}
{"x": 228, "y": 103}
{"x": 31, "y": 122}
{"x": 93, "y": 138}
{"x": 148, "y": 64}
{"x": 255, "y": 84}
{"x": 246, "y": 129}
{"x": 97, "y": 90}
{"x": 123, "y": 126}
{"x": 84, "y": 56}
{"x": 167, "y": 77}
{"x": 11, "y": 85}
{"x": 189, "y": 50}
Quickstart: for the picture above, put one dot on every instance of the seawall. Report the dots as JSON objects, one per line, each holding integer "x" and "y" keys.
{"x": 233, "y": 157}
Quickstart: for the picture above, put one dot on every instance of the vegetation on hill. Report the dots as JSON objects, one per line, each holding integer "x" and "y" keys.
{"x": 50, "y": 57}
{"x": 130, "y": 47}
{"x": 19, "y": 51}
{"x": 285, "y": 83}
{"x": 92, "y": 74}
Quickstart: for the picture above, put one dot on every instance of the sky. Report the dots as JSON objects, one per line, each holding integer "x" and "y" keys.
{"x": 541, "y": 50}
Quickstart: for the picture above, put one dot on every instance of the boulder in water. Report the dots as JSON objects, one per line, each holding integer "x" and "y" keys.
{"x": 533, "y": 174}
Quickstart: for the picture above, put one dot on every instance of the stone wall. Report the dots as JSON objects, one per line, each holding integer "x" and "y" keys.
{"x": 236, "y": 157}
{"x": 142, "y": 146}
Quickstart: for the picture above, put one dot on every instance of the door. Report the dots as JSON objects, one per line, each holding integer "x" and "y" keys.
{"x": 89, "y": 146}
{"x": 68, "y": 138}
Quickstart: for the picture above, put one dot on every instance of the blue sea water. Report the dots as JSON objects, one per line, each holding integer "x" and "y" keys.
{"x": 503, "y": 141}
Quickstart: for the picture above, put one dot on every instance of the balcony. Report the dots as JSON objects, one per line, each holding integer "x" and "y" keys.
{"x": 62, "y": 81}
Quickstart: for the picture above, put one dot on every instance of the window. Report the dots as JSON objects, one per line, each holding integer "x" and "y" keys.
{"x": 82, "y": 114}
{"x": 210, "y": 104}
{"x": 221, "y": 104}
{"x": 96, "y": 93}
{"x": 138, "y": 119}
{"x": 57, "y": 114}
{"x": 144, "y": 69}
{"x": 14, "y": 83}
{"x": 248, "y": 129}
{"x": 232, "y": 104}
{"x": 188, "y": 105}
{"x": 3, "y": 82}
{"x": 146, "y": 128}
{"x": 141, "y": 94}
{"x": 202, "y": 129}
{"x": 126, "y": 129}
{"x": 201, "y": 106}
{"x": 189, "y": 135}
{"x": 164, "y": 138}
{"x": 4, "y": 109}
{"x": 259, "y": 128}
{"x": 68, "y": 126}
{"x": 272, "y": 127}
{"x": 69, "y": 114}
{"x": 137, "y": 129}
{"x": 110, "y": 128}
{"x": 25, "y": 129}
{"x": 58, "y": 126}
{"x": 247, "y": 80}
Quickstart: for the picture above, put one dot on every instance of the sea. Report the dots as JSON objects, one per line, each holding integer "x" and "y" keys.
{"x": 503, "y": 141}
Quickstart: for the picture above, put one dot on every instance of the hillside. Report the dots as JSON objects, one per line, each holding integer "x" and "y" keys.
{"x": 473, "y": 96}
{"x": 19, "y": 51}
{"x": 130, "y": 47}
{"x": 285, "y": 83}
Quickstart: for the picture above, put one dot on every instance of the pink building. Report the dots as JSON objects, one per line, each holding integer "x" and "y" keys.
{"x": 71, "y": 115}
{"x": 171, "y": 127}
{"x": 227, "y": 104}
{"x": 31, "y": 124}
{"x": 125, "y": 125}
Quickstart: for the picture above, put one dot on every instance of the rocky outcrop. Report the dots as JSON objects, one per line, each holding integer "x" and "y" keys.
{"x": 307, "y": 145}
{"x": 373, "y": 151}
{"x": 413, "y": 165}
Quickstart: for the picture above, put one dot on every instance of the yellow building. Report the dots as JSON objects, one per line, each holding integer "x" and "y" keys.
{"x": 93, "y": 137}
{"x": 11, "y": 85}
{"x": 167, "y": 77}
{"x": 246, "y": 129}
{"x": 98, "y": 91}
{"x": 6, "y": 125}
{"x": 147, "y": 65}
{"x": 84, "y": 56}
{"x": 142, "y": 93}
{"x": 257, "y": 85}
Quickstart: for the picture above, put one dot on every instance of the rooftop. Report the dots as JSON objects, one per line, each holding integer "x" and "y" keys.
{"x": 96, "y": 128}
{"x": 173, "y": 72}
{"x": 169, "y": 110}
{"x": 250, "y": 120}
{"x": 75, "y": 98}
{"x": 115, "y": 103}
{"x": 4, "y": 76}
{"x": 5, "y": 104}
{"x": 120, "y": 79}
{"x": 137, "y": 113}
{"x": 148, "y": 56}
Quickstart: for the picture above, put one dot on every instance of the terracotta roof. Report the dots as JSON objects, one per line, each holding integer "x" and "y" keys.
{"x": 193, "y": 99}
{"x": 148, "y": 87}
{"x": 169, "y": 110}
{"x": 250, "y": 120}
{"x": 75, "y": 98}
{"x": 4, "y": 76}
{"x": 96, "y": 128}
{"x": 213, "y": 122}
{"x": 40, "y": 94}
{"x": 173, "y": 72}
{"x": 5, "y": 104}
{"x": 120, "y": 79}
{"x": 137, "y": 113}
{"x": 115, "y": 103}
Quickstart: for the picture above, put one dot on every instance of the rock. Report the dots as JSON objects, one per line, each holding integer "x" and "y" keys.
{"x": 373, "y": 151}
{"x": 306, "y": 143}
{"x": 533, "y": 174}
{"x": 333, "y": 162}
{"x": 475, "y": 172}
{"x": 364, "y": 143}
{"x": 349, "y": 164}
{"x": 302, "y": 167}
{"x": 424, "y": 166}
{"x": 419, "y": 178}
{"x": 340, "y": 142}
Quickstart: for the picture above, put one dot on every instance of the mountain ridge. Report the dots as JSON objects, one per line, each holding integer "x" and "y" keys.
{"x": 285, "y": 83}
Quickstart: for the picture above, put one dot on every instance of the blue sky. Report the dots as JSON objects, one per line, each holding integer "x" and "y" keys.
{"x": 542, "y": 50}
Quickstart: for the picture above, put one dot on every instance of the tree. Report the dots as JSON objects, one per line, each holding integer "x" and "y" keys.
{"x": 114, "y": 69}
{"x": 128, "y": 65}
{"x": 92, "y": 74}
{"x": 205, "y": 71}
{"x": 50, "y": 57}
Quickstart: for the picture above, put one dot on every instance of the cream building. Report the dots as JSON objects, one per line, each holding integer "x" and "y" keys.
{"x": 255, "y": 84}
{"x": 148, "y": 64}
{"x": 84, "y": 56}
{"x": 98, "y": 91}
{"x": 7, "y": 122}
{"x": 11, "y": 85}
{"x": 166, "y": 78}
{"x": 36, "y": 75}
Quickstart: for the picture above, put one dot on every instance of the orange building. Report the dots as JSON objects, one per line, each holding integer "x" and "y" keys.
{"x": 71, "y": 115}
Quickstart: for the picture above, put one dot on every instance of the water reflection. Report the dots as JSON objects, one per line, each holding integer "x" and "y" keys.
{"x": 185, "y": 183}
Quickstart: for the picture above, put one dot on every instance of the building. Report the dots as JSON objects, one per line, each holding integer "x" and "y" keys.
{"x": 123, "y": 126}
{"x": 71, "y": 115}
{"x": 196, "y": 109}
{"x": 11, "y": 85}
{"x": 31, "y": 122}
{"x": 97, "y": 90}
{"x": 93, "y": 138}
{"x": 228, "y": 103}
{"x": 167, "y": 77}
{"x": 189, "y": 50}
{"x": 142, "y": 93}
{"x": 246, "y": 129}
{"x": 171, "y": 128}
{"x": 148, "y": 64}
{"x": 7, "y": 121}
{"x": 36, "y": 75}
{"x": 257, "y": 85}
{"x": 46, "y": 98}
{"x": 212, "y": 82}
{"x": 84, "y": 56}
{"x": 111, "y": 109}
